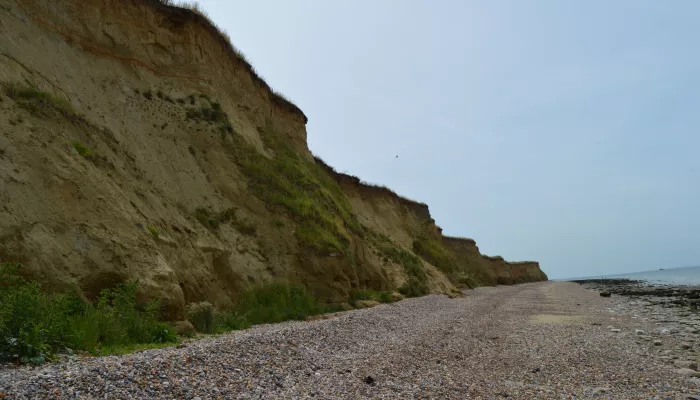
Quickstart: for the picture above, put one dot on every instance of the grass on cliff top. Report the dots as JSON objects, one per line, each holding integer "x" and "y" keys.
{"x": 312, "y": 198}
{"x": 370, "y": 185}
{"x": 35, "y": 324}
{"x": 38, "y": 103}
{"x": 194, "y": 7}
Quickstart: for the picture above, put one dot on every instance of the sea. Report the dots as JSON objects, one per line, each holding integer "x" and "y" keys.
{"x": 668, "y": 276}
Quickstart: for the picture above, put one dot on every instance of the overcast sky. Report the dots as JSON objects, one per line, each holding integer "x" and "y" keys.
{"x": 560, "y": 131}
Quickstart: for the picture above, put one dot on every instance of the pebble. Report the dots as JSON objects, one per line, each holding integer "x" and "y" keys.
{"x": 688, "y": 372}
{"x": 398, "y": 347}
{"x": 686, "y": 364}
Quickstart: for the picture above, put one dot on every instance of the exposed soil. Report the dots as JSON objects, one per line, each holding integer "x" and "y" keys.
{"x": 167, "y": 166}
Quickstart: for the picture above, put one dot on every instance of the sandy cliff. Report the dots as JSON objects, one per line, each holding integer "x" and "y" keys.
{"x": 149, "y": 149}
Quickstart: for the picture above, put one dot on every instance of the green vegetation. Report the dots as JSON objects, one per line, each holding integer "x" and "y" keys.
{"x": 369, "y": 294}
{"x": 82, "y": 150}
{"x": 476, "y": 276}
{"x": 122, "y": 349}
{"x": 212, "y": 114}
{"x": 212, "y": 220}
{"x": 271, "y": 303}
{"x": 96, "y": 159}
{"x": 434, "y": 252}
{"x": 226, "y": 40}
{"x": 201, "y": 315}
{"x": 414, "y": 287}
{"x": 38, "y": 103}
{"x": 206, "y": 218}
{"x": 469, "y": 281}
{"x": 416, "y": 284}
{"x": 288, "y": 180}
{"x": 34, "y": 324}
{"x": 226, "y": 321}
{"x": 206, "y": 319}
{"x": 300, "y": 187}
{"x": 153, "y": 231}
{"x": 411, "y": 264}
{"x": 277, "y": 302}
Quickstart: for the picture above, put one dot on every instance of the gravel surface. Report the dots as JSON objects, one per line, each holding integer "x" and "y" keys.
{"x": 549, "y": 340}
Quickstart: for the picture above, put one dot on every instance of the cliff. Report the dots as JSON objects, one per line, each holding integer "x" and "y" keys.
{"x": 137, "y": 143}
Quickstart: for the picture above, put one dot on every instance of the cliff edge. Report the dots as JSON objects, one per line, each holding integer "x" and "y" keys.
{"x": 137, "y": 143}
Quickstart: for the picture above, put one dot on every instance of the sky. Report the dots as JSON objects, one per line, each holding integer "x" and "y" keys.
{"x": 566, "y": 132}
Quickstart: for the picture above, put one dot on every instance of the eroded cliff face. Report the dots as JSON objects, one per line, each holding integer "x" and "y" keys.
{"x": 156, "y": 153}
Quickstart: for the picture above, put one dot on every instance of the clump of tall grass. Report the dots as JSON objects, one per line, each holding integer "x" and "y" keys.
{"x": 276, "y": 302}
{"x": 34, "y": 324}
{"x": 38, "y": 103}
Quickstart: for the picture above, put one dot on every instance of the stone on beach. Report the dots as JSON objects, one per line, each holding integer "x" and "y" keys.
{"x": 686, "y": 364}
{"x": 688, "y": 372}
{"x": 427, "y": 347}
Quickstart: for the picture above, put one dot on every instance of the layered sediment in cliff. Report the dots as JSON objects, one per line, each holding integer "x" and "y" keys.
{"x": 148, "y": 148}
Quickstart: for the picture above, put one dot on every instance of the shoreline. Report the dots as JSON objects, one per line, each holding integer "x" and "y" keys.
{"x": 529, "y": 341}
{"x": 685, "y": 297}
{"x": 673, "y": 311}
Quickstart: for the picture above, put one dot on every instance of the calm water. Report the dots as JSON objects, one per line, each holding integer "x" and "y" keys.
{"x": 671, "y": 276}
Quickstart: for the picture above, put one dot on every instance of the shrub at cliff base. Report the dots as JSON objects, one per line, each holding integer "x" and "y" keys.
{"x": 206, "y": 319}
{"x": 278, "y": 302}
{"x": 34, "y": 324}
{"x": 369, "y": 294}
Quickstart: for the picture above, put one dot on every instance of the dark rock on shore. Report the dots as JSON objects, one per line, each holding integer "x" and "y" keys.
{"x": 666, "y": 295}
